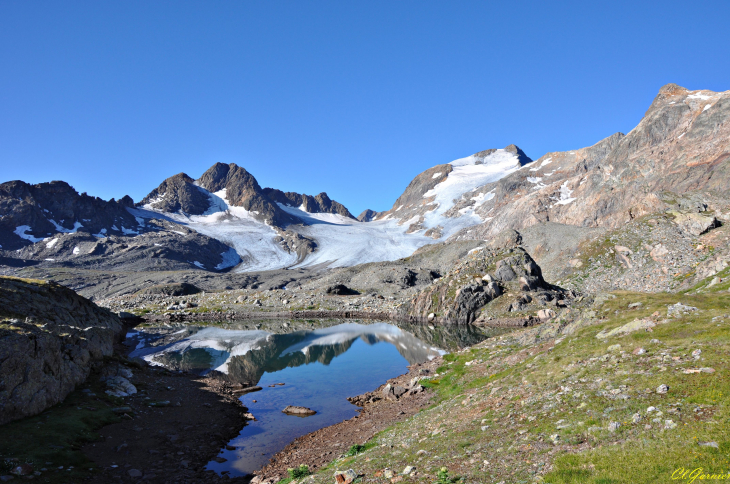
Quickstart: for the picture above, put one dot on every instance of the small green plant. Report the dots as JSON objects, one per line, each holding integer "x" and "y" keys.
{"x": 354, "y": 450}
{"x": 298, "y": 472}
{"x": 442, "y": 477}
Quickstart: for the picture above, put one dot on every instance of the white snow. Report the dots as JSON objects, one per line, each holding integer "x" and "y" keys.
{"x": 196, "y": 263}
{"x": 21, "y": 232}
{"x": 129, "y": 231}
{"x": 234, "y": 226}
{"x": 699, "y": 95}
{"x": 481, "y": 198}
{"x": 534, "y": 179}
{"x": 680, "y": 136}
{"x": 50, "y": 259}
{"x": 342, "y": 241}
{"x": 466, "y": 176}
{"x": 436, "y": 175}
{"x": 565, "y": 195}
{"x": 230, "y": 259}
{"x": 76, "y": 250}
{"x": 49, "y": 245}
{"x": 707, "y": 107}
{"x": 60, "y": 228}
{"x": 101, "y": 234}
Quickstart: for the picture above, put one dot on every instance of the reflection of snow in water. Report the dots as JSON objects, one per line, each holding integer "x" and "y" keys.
{"x": 224, "y": 344}
{"x": 414, "y": 348}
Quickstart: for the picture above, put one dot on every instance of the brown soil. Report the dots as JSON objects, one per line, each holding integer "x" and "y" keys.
{"x": 323, "y": 446}
{"x": 169, "y": 444}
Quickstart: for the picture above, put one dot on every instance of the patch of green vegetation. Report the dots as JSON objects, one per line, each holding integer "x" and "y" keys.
{"x": 359, "y": 449}
{"x": 442, "y": 477}
{"x": 57, "y": 435}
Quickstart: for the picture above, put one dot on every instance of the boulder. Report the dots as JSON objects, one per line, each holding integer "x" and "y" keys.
{"x": 695, "y": 223}
{"x": 340, "y": 290}
{"x": 299, "y": 411}
{"x": 172, "y": 289}
{"x": 50, "y": 339}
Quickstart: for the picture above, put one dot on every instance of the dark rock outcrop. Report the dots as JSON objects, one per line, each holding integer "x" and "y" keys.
{"x": 242, "y": 190}
{"x": 50, "y": 338}
{"x": 163, "y": 246}
{"x": 367, "y": 215}
{"x": 30, "y": 213}
{"x": 178, "y": 194}
{"x": 484, "y": 276}
{"x": 172, "y": 289}
{"x": 317, "y": 204}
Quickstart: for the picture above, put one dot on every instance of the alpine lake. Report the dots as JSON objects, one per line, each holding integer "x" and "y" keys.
{"x": 310, "y": 363}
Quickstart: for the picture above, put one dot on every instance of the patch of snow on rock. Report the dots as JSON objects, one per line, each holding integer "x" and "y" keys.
{"x": 21, "y": 232}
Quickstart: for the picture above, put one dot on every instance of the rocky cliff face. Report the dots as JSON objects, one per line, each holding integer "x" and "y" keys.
{"x": 317, "y": 204}
{"x": 681, "y": 145}
{"x": 165, "y": 246}
{"x": 50, "y": 338}
{"x": 507, "y": 277}
{"x": 426, "y": 204}
{"x": 30, "y": 213}
{"x": 178, "y": 194}
{"x": 242, "y": 190}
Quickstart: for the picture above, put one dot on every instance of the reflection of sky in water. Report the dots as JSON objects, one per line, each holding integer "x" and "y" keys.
{"x": 320, "y": 369}
{"x": 322, "y": 388}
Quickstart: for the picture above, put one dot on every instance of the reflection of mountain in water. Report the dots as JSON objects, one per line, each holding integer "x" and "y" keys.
{"x": 244, "y": 356}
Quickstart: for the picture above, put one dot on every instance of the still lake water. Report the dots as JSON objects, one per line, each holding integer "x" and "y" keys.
{"x": 320, "y": 363}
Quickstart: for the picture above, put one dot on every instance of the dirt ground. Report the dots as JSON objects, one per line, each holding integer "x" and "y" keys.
{"x": 171, "y": 443}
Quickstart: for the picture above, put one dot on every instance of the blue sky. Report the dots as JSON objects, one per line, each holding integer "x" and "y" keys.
{"x": 351, "y": 98}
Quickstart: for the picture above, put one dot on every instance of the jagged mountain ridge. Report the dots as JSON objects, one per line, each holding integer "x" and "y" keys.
{"x": 680, "y": 145}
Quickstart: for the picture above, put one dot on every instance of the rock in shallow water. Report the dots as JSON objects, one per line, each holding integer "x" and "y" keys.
{"x": 299, "y": 411}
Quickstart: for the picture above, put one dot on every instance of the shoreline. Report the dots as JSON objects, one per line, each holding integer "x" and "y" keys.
{"x": 330, "y": 314}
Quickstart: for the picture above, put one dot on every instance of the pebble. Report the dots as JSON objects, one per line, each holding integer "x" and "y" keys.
{"x": 709, "y": 444}
{"x": 134, "y": 473}
{"x": 408, "y": 470}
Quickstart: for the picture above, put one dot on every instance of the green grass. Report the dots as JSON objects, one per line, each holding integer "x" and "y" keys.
{"x": 480, "y": 411}
{"x": 57, "y": 435}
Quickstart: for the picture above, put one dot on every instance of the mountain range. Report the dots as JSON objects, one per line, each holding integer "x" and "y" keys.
{"x": 677, "y": 157}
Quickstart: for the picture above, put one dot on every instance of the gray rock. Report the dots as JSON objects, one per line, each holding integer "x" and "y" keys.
{"x": 662, "y": 389}
{"x": 51, "y": 346}
{"x": 299, "y": 411}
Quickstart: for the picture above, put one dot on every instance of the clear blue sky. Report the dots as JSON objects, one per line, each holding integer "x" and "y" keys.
{"x": 351, "y": 98}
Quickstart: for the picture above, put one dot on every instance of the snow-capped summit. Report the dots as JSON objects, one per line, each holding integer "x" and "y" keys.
{"x": 426, "y": 203}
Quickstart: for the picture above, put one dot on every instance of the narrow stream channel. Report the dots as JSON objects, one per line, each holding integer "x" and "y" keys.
{"x": 319, "y": 363}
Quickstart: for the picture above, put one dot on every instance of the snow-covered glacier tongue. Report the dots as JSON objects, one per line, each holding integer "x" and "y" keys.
{"x": 422, "y": 215}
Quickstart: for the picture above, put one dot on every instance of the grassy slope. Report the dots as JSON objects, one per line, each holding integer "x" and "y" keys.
{"x": 495, "y": 419}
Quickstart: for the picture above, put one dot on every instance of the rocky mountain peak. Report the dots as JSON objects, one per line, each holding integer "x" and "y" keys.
{"x": 367, "y": 215}
{"x": 177, "y": 194}
{"x": 31, "y": 213}
{"x": 318, "y": 204}
{"x": 231, "y": 176}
